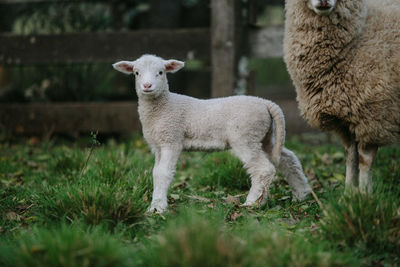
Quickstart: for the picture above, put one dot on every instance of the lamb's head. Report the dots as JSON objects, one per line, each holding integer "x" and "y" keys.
{"x": 322, "y": 7}
{"x": 150, "y": 73}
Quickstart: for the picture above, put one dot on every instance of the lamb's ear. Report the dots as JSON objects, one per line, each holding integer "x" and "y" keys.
{"x": 173, "y": 65}
{"x": 124, "y": 66}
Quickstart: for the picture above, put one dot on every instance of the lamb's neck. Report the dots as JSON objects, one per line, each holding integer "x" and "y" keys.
{"x": 153, "y": 105}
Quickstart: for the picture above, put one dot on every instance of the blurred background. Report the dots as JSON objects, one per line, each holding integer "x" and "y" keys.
{"x": 55, "y": 59}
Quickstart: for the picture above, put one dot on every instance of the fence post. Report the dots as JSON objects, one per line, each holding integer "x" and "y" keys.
{"x": 225, "y": 44}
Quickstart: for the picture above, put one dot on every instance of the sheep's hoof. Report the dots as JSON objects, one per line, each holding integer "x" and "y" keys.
{"x": 350, "y": 190}
{"x": 365, "y": 189}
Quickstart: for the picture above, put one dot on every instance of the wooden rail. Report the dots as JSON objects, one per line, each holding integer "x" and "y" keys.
{"x": 109, "y": 47}
{"x": 75, "y": 118}
{"x": 103, "y": 47}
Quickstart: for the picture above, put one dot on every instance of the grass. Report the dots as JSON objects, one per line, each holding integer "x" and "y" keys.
{"x": 204, "y": 239}
{"x": 66, "y": 245}
{"x": 366, "y": 222}
{"x": 75, "y": 204}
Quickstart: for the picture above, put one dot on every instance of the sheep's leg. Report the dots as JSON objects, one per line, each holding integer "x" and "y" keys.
{"x": 351, "y": 166}
{"x": 261, "y": 171}
{"x": 163, "y": 173}
{"x": 290, "y": 167}
{"x": 366, "y": 158}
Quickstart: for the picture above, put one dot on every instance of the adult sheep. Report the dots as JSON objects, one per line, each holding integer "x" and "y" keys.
{"x": 344, "y": 59}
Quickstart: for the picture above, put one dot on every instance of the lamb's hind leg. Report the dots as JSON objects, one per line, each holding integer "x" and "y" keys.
{"x": 261, "y": 171}
{"x": 366, "y": 158}
{"x": 291, "y": 169}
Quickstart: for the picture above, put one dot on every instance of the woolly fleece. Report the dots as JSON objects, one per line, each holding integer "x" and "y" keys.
{"x": 252, "y": 127}
{"x": 346, "y": 68}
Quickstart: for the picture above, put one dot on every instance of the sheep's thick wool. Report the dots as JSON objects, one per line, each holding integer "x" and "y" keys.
{"x": 346, "y": 67}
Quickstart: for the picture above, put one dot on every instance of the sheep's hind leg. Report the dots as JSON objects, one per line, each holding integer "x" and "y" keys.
{"x": 366, "y": 158}
{"x": 261, "y": 171}
{"x": 351, "y": 166}
{"x": 291, "y": 169}
{"x": 163, "y": 173}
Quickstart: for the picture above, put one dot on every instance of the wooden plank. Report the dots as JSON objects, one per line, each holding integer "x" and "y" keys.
{"x": 114, "y": 117}
{"x": 100, "y": 47}
{"x": 266, "y": 42}
{"x": 223, "y": 45}
{"x": 103, "y": 47}
{"x": 71, "y": 118}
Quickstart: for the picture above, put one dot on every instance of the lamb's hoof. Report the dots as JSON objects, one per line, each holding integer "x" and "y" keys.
{"x": 255, "y": 204}
{"x": 248, "y": 204}
{"x": 157, "y": 207}
{"x": 154, "y": 210}
{"x": 300, "y": 196}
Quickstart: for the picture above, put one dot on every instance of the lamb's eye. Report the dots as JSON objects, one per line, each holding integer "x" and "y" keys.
{"x": 160, "y": 73}
{"x": 137, "y": 73}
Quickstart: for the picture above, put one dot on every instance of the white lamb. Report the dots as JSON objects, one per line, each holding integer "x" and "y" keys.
{"x": 173, "y": 122}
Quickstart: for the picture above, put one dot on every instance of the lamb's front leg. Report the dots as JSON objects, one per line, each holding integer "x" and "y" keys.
{"x": 163, "y": 173}
{"x": 366, "y": 159}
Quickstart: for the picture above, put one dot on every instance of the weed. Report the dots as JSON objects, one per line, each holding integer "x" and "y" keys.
{"x": 94, "y": 143}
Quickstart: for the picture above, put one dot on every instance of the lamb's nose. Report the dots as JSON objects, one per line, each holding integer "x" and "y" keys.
{"x": 324, "y": 3}
{"x": 147, "y": 85}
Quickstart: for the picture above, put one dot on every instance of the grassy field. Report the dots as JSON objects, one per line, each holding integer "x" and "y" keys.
{"x": 84, "y": 204}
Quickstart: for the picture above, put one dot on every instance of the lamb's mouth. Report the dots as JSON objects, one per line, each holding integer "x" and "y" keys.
{"x": 148, "y": 91}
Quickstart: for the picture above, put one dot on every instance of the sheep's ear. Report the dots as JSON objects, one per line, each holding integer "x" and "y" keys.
{"x": 124, "y": 67}
{"x": 173, "y": 65}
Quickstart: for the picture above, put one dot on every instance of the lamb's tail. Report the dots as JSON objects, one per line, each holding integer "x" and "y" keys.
{"x": 279, "y": 127}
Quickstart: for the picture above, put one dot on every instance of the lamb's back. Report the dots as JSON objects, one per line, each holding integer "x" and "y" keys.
{"x": 226, "y": 120}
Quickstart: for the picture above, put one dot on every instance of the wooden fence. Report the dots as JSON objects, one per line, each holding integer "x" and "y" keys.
{"x": 220, "y": 46}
